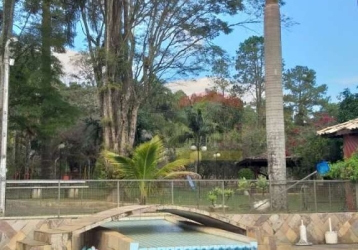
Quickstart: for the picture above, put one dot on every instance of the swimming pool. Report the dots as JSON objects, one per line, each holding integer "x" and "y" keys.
{"x": 159, "y": 234}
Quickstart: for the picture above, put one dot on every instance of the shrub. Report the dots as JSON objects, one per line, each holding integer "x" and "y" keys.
{"x": 262, "y": 184}
{"x": 346, "y": 169}
{"x": 216, "y": 192}
{"x": 244, "y": 184}
{"x": 246, "y": 173}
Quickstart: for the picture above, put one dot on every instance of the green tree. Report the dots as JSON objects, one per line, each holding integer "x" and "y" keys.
{"x": 83, "y": 138}
{"x": 275, "y": 129}
{"x": 147, "y": 164}
{"x": 348, "y": 106}
{"x": 160, "y": 114}
{"x": 253, "y": 135}
{"x": 56, "y": 30}
{"x": 221, "y": 73}
{"x": 250, "y": 68}
{"x": 43, "y": 26}
{"x": 151, "y": 39}
{"x": 303, "y": 94}
{"x": 37, "y": 112}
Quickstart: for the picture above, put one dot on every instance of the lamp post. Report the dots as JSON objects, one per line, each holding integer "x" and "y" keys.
{"x": 197, "y": 148}
{"x": 196, "y": 124}
{"x": 60, "y": 147}
{"x": 216, "y": 155}
{"x": 5, "y": 105}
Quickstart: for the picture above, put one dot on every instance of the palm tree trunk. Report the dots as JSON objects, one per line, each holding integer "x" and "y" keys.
{"x": 274, "y": 106}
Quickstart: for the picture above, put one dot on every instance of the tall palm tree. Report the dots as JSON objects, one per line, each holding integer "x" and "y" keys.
{"x": 145, "y": 165}
{"x": 275, "y": 129}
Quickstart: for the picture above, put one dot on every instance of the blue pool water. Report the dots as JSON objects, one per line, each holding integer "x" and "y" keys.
{"x": 164, "y": 235}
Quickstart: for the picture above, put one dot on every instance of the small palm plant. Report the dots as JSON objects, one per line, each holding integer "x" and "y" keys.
{"x": 245, "y": 186}
{"x": 144, "y": 165}
{"x": 216, "y": 192}
{"x": 262, "y": 184}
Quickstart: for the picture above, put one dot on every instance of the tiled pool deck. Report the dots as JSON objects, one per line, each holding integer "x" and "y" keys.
{"x": 330, "y": 247}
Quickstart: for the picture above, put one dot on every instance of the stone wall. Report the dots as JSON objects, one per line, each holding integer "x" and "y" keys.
{"x": 105, "y": 239}
{"x": 284, "y": 228}
{"x": 268, "y": 229}
{"x": 13, "y": 230}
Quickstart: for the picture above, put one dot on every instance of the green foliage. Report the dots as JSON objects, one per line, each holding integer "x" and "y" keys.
{"x": 348, "y": 106}
{"x": 212, "y": 197}
{"x": 253, "y": 135}
{"x": 244, "y": 184}
{"x": 101, "y": 170}
{"x": 212, "y": 119}
{"x": 262, "y": 184}
{"x": 250, "y": 72}
{"x": 246, "y": 173}
{"x": 44, "y": 110}
{"x": 303, "y": 93}
{"x": 174, "y": 39}
{"x": 146, "y": 163}
{"x": 346, "y": 169}
{"x": 36, "y": 109}
{"x": 63, "y": 16}
{"x": 217, "y": 192}
{"x": 303, "y": 142}
{"x": 83, "y": 97}
{"x": 221, "y": 72}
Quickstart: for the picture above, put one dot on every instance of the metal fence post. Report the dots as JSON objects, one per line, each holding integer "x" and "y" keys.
{"x": 270, "y": 190}
{"x": 330, "y": 196}
{"x": 223, "y": 194}
{"x": 58, "y": 198}
{"x": 315, "y": 194}
{"x": 118, "y": 195}
{"x": 197, "y": 194}
{"x": 172, "y": 192}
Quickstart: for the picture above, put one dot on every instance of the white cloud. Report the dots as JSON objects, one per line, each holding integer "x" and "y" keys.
{"x": 69, "y": 61}
{"x": 189, "y": 87}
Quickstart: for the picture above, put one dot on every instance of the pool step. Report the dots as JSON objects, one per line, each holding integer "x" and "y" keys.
{"x": 58, "y": 239}
{"x": 30, "y": 244}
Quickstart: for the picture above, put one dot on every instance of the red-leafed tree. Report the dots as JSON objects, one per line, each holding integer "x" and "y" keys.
{"x": 211, "y": 96}
{"x": 221, "y": 115}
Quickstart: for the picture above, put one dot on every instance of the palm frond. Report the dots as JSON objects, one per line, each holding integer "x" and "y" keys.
{"x": 144, "y": 165}
{"x": 177, "y": 165}
{"x": 146, "y": 156}
{"x": 122, "y": 165}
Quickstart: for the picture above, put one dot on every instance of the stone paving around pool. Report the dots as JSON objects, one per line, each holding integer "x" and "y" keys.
{"x": 272, "y": 231}
{"x": 285, "y": 228}
{"x": 328, "y": 247}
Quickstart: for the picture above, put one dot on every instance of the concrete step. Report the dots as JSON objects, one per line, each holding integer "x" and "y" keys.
{"x": 56, "y": 238}
{"x": 30, "y": 244}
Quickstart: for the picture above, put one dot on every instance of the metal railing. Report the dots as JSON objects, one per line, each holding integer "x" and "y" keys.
{"x": 58, "y": 198}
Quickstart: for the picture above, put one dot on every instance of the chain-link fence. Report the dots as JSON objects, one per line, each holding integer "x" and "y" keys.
{"x": 57, "y": 198}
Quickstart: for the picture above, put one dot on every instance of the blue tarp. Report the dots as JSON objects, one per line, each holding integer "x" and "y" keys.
{"x": 322, "y": 167}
